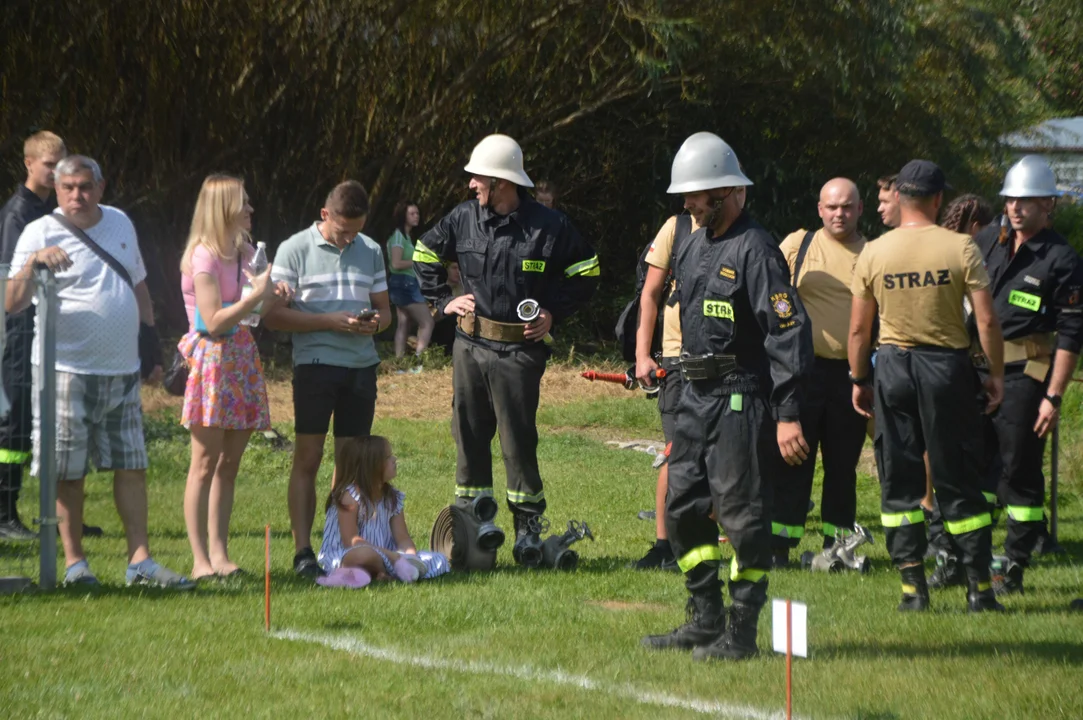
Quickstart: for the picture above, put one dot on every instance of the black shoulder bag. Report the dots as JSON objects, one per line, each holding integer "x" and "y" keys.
{"x": 628, "y": 322}
{"x": 175, "y": 379}
{"x": 150, "y": 346}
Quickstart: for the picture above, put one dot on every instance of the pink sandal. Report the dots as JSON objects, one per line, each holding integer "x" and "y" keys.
{"x": 349, "y": 577}
{"x": 406, "y": 569}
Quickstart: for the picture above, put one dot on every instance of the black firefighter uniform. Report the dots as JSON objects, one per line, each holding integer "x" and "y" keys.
{"x": 747, "y": 345}
{"x": 531, "y": 253}
{"x": 1036, "y": 293}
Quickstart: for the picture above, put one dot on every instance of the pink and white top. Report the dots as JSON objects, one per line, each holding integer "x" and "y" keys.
{"x": 225, "y": 271}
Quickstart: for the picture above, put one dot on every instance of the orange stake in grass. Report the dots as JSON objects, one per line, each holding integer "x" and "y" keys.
{"x": 267, "y": 580}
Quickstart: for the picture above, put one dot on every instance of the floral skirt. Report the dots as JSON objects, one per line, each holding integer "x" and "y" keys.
{"x": 225, "y": 382}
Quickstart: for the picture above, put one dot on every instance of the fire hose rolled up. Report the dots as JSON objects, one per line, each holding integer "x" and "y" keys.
{"x": 455, "y": 534}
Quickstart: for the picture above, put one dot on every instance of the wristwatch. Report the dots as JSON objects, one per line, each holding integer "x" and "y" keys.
{"x": 858, "y": 381}
{"x": 1054, "y": 400}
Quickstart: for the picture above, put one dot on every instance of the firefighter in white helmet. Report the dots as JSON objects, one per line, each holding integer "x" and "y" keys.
{"x": 524, "y": 268}
{"x": 746, "y": 348}
{"x": 1036, "y": 280}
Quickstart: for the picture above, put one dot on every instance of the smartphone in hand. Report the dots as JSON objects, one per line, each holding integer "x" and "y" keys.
{"x": 367, "y": 314}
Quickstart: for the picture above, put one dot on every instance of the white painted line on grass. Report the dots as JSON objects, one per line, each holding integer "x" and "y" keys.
{"x": 526, "y": 672}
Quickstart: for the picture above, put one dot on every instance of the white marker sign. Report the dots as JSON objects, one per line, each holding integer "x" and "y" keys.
{"x": 798, "y": 627}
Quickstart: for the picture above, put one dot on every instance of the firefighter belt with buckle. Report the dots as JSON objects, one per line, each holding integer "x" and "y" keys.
{"x": 487, "y": 329}
{"x": 707, "y": 367}
{"x": 1036, "y": 350}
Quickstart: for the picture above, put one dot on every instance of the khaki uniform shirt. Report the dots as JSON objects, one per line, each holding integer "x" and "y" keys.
{"x": 660, "y": 255}
{"x": 919, "y": 277}
{"x": 824, "y": 287}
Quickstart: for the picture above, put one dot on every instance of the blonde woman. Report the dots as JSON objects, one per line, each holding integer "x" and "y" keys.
{"x": 225, "y": 398}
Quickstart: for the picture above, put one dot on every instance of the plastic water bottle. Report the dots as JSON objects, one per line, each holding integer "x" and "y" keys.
{"x": 257, "y": 267}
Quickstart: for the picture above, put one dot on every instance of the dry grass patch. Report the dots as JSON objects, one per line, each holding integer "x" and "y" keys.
{"x": 156, "y": 399}
{"x": 426, "y": 396}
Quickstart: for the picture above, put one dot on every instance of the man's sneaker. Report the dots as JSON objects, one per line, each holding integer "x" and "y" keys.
{"x": 1077, "y": 604}
{"x": 79, "y": 574}
{"x": 659, "y": 557}
{"x": 305, "y": 564}
{"x": 706, "y": 623}
{"x": 15, "y": 530}
{"x": 151, "y": 573}
{"x": 1010, "y": 582}
{"x": 948, "y": 573}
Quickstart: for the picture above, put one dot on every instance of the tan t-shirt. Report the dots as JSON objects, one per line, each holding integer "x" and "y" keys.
{"x": 660, "y": 255}
{"x": 824, "y": 287}
{"x": 919, "y": 277}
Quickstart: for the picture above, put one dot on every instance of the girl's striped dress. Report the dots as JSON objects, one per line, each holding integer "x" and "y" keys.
{"x": 375, "y": 526}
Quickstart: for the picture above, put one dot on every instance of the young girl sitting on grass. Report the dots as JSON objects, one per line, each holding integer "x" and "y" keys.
{"x": 365, "y": 535}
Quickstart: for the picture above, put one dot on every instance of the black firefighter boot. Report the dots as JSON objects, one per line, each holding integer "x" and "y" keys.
{"x": 915, "y": 591}
{"x": 780, "y": 558}
{"x": 706, "y": 615}
{"x": 980, "y": 596}
{"x": 739, "y": 640}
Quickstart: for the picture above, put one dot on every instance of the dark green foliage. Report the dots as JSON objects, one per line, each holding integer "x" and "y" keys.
{"x": 296, "y": 95}
{"x": 1068, "y": 221}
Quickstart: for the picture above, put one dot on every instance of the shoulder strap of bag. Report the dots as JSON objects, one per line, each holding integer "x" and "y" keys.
{"x": 240, "y": 262}
{"x": 680, "y": 232}
{"x": 97, "y": 249}
{"x": 801, "y": 252}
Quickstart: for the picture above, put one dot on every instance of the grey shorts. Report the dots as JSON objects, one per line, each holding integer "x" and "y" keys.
{"x": 99, "y": 421}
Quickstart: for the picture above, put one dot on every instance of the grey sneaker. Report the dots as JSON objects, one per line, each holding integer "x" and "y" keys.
{"x": 151, "y": 573}
{"x": 79, "y": 574}
{"x": 15, "y": 530}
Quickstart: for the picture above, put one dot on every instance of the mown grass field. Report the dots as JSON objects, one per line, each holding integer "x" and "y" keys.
{"x": 513, "y": 643}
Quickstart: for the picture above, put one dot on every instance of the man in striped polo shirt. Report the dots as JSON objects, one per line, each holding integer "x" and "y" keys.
{"x": 340, "y": 301}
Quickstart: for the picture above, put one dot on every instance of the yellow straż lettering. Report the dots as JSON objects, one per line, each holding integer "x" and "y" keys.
{"x": 721, "y": 309}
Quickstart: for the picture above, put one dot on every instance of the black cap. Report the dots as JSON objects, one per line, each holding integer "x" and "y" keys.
{"x": 921, "y": 178}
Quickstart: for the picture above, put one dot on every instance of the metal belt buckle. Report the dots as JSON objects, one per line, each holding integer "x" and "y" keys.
{"x": 724, "y": 365}
{"x": 695, "y": 368}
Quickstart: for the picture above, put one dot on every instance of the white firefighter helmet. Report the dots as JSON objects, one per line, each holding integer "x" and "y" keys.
{"x": 705, "y": 162}
{"x": 499, "y": 156}
{"x": 1031, "y": 177}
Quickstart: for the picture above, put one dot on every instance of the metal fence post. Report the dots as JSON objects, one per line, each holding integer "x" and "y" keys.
{"x": 46, "y": 390}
